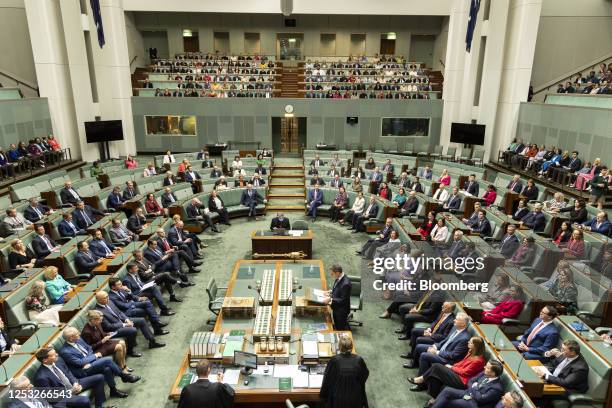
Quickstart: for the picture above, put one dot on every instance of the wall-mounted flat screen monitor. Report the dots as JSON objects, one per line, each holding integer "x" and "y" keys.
{"x": 103, "y": 131}
{"x": 467, "y": 133}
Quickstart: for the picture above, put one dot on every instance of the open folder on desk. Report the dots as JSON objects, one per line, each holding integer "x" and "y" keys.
{"x": 315, "y": 295}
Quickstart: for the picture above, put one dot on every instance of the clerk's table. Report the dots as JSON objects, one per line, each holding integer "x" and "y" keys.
{"x": 271, "y": 242}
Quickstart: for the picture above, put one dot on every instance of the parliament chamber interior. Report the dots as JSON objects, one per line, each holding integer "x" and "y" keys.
{"x": 306, "y": 204}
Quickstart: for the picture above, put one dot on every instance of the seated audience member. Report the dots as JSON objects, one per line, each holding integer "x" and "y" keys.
{"x": 535, "y": 219}
{"x": 182, "y": 167}
{"x": 257, "y": 180}
{"x": 116, "y": 321}
{"x": 515, "y": 185}
{"x": 149, "y": 170}
{"x": 445, "y": 178}
{"x": 192, "y": 176}
{"x": 456, "y": 376}
{"x": 400, "y": 198}
{"x": 483, "y": 391}
{"x": 14, "y": 223}
{"x": 340, "y": 202}
{"x": 115, "y": 199}
{"x": 540, "y": 337}
{"x": 456, "y": 246}
{"x": 562, "y": 267}
{"x": 448, "y": 351}
{"x": 332, "y": 172}
{"x": 169, "y": 158}
{"x": 169, "y": 180}
{"x": 574, "y": 248}
{"x": 490, "y": 195}
{"x": 565, "y": 292}
{"x": 509, "y": 242}
{"x": 367, "y": 250}
{"x": 370, "y": 165}
{"x": 216, "y": 172}
{"x": 21, "y": 257}
{"x": 68, "y": 195}
{"x": 153, "y": 267}
{"x": 577, "y": 212}
{"x": 359, "y": 173}
{"x": 313, "y": 170}
{"x": 554, "y": 160}
{"x": 567, "y": 369}
{"x": 474, "y": 216}
{"x": 130, "y": 163}
{"x": 135, "y": 306}
{"x": 336, "y": 182}
{"x": 384, "y": 191}
{"x": 39, "y": 308}
{"x": 216, "y": 204}
{"x": 96, "y": 169}
{"x": 167, "y": 198}
{"x": 186, "y": 255}
{"x": 416, "y": 186}
{"x": 355, "y": 211}
{"x": 521, "y": 211}
{"x": 439, "y": 233}
{"x": 316, "y": 180}
{"x": 530, "y": 192}
{"x": 376, "y": 177}
{"x": 509, "y": 308}
{"x": 389, "y": 249}
{"x": 482, "y": 226}
{"x": 85, "y": 260}
{"x": 120, "y": 235}
{"x": 133, "y": 282}
{"x": 555, "y": 203}
{"x": 239, "y": 182}
{"x": 496, "y": 294}
{"x": 436, "y": 332}
{"x": 410, "y": 206}
{"x": 55, "y": 285}
{"x": 315, "y": 199}
{"x": 101, "y": 342}
{"x": 129, "y": 191}
{"x": 600, "y": 186}
{"x": 428, "y": 225}
{"x": 83, "y": 361}
{"x": 54, "y": 373}
{"x": 100, "y": 247}
{"x": 573, "y": 166}
{"x": 152, "y": 206}
{"x": 388, "y": 167}
{"x": 403, "y": 181}
{"x": 201, "y": 214}
{"x": 441, "y": 194}
{"x": 471, "y": 185}
{"x": 599, "y": 224}
{"x": 85, "y": 215}
{"x": 251, "y": 198}
{"x": 563, "y": 235}
{"x": 370, "y": 212}
{"x": 137, "y": 221}
{"x": 36, "y": 211}
{"x": 583, "y": 179}
{"x": 453, "y": 202}
{"x": 204, "y": 393}
{"x": 280, "y": 222}
{"x": 426, "y": 173}
{"x": 68, "y": 229}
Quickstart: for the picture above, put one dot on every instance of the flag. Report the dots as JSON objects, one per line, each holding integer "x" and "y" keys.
{"x": 97, "y": 16}
{"x": 474, "y": 7}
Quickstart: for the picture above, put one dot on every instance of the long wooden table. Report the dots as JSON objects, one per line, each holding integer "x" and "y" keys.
{"x": 310, "y": 274}
{"x": 266, "y": 242}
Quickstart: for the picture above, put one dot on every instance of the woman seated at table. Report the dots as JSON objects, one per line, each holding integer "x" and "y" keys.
{"x": 39, "y": 309}
{"x": 574, "y": 249}
{"x": 509, "y": 308}
{"x": 439, "y": 233}
{"x": 56, "y": 286}
{"x": 456, "y": 376}
{"x": 384, "y": 191}
{"x": 490, "y": 195}
{"x": 563, "y": 235}
{"x": 21, "y": 257}
{"x": 130, "y": 163}
{"x": 524, "y": 254}
{"x": 101, "y": 342}
{"x": 427, "y": 225}
{"x": 400, "y": 197}
{"x": 153, "y": 207}
{"x": 338, "y": 205}
{"x": 445, "y": 178}
{"x": 565, "y": 292}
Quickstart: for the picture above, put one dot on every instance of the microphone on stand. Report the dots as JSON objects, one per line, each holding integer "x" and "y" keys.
{"x": 261, "y": 300}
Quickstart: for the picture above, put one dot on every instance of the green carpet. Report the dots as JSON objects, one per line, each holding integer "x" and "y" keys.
{"x": 375, "y": 341}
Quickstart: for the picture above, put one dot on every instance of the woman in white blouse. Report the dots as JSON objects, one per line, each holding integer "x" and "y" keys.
{"x": 169, "y": 158}
{"x": 439, "y": 233}
{"x": 555, "y": 203}
{"x": 356, "y": 209}
{"x": 237, "y": 163}
{"x": 149, "y": 170}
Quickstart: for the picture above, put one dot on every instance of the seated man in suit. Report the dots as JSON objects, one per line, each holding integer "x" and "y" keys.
{"x": 161, "y": 272}
{"x": 257, "y": 181}
{"x": 482, "y": 226}
{"x": 168, "y": 198}
{"x": 42, "y": 244}
{"x": 339, "y": 298}
{"x": 120, "y": 235}
{"x": 336, "y": 182}
{"x": 471, "y": 185}
{"x": 135, "y": 306}
{"x": 376, "y": 177}
{"x": 54, "y": 373}
{"x": 169, "y": 180}
{"x": 509, "y": 243}
{"x": 192, "y": 176}
{"x": 441, "y": 194}
{"x": 483, "y": 391}
{"x": 36, "y": 211}
{"x": 426, "y": 173}
{"x": 203, "y": 393}
{"x": 388, "y": 167}
{"x": 417, "y": 186}
{"x": 540, "y": 337}
{"x": 250, "y": 198}
{"x": 67, "y": 227}
{"x": 332, "y": 172}
{"x": 100, "y": 247}
{"x": 315, "y": 199}
{"x": 216, "y": 204}
{"x": 129, "y": 191}
{"x": 68, "y": 195}
{"x": 85, "y": 215}
{"x": 215, "y": 173}
{"x": 115, "y": 199}
{"x": 116, "y": 321}
{"x": 83, "y": 362}
{"x": 567, "y": 369}
{"x": 599, "y": 224}
{"x": 178, "y": 238}
{"x": 457, "y": 246}
{"x": 474, "y": 217}
{"x": 137, "y": 221}
{"x": 448, "y": 351}
{"x": 317, "y": 180}
{"x": 535, "y": 219}
{"x": 453, "y": 202}
{"x": 368, "y": 248}
{"x": 410, "y": 206}
{"x": 370, "y": 212}
{"x": 515, "y": 185}
{"x": 14, "y": 222}
{"x": 200, "y": 213}
{"x": 22, "y": 386}
{"x": 136, "y": 285}
{"x": 280, "y": 222}
{"x": 8, "y": 345}
{"x": 317, "y": 161}
{"x": 436, "y": 332}
{"x": 426, "y": 308}
{"x": 162, "y": 261}
{"x": 85, "y": 260}
{"x": 184, "y": 255}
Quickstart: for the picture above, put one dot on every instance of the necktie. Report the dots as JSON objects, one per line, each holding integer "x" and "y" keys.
{"x": 38, "y": 212}
{"x": 534, "y": 332}
{"x": 438, "y": 323}
{"x": 449, "y": 340}
{"x": 61, "y": 376}
{"x": 74, "y": 194}
{"x": 420, "y": 305}
{"x": 81, "y": 349}
{"x": 137, "y": 280}
{"x": 49, "y": 246}
{"x": 3, "y": 342}
{"x": 88, "y": 220}
{"x": 166, "y": 245}
{"x": 180, "y": 236}
{"x": 106, "y": 248}
{"x": 159, "y": 253}
{"x": 72, "y": 226}
{"x": 512, "y": 186}
{"x": 17, "y": 222}
{"x": 110, "y": 309}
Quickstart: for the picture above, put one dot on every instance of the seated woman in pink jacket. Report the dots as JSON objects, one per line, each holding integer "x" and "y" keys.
{"x": 509, "y": 308}
{"x": 445, "y": 178}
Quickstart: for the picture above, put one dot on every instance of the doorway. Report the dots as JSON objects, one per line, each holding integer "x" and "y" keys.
{"x": 191, "y": 42}
{"x": 421, "y": 49}
{"x": 288, "y": 135}
{"x": 387, "y": 43}
{"x": 289, "y": 46}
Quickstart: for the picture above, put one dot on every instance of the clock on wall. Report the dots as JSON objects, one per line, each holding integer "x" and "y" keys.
{"x": 288, "y": 108}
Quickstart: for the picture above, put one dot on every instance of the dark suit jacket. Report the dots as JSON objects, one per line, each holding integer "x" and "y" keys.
{"x": 411, "y": 205}
{"x": 30, "y": 215}
{"x": 65, "y": 230}
{"x": 574, "y": 165}
{"x": 111, "y": 322}
{"x": 535, "y": 221}
{"x": 311, "y": 197}
{"x": 96, "y": 247}
{"x": 483, "y": 227}
{"x": 508, "y": 247}
{"x": 453, "y": 202}
{"x": 44, "y": 377}
{"x": 262, "y": 182}
{"x": 129, "y": 193}
{"x": 135, "y": 224}
{"x": 173, "y": 237}
{"x": 85, "y": 261}
{"x": 75, "y": 360}
{"x": 166, "y": 201}
{"x": 192, "y": 211}
{"x": 518, "y": 215}
{"x": 456, "y": 248}
{"x": 443, "y": 329}
{"x": 579, "y": 216}
{"x": 114, "y": 201}
{"x": 472, "y": 189}
{"x": 79, "y": 219}
{"x": 211, "y": 203}
{"x": 487, "y": 395}
{"x": 67, "y": 197}
{"x": 544, "y": 340}
{"x": 190, "y": 179}
{"x": 203, "y": 393}
{"x": 373, "y": 210}
{"x": 456, "y": 348}
{"x": 418, "y": 187}
{"x": 318, "y": 181}
{"x": 155, "y": 259}
{"x": 531, "y": 193}
{"x": 123, "y": 300}
{"x": 574, "y": 377}
{"x": 341, "y": 296}
{"x": 246, "y": 200}
{"x": 517, "y": 187}
{"x": 167, "y": 181}
{"x": 276, "y": 223}
{"x": 40, "y": 247}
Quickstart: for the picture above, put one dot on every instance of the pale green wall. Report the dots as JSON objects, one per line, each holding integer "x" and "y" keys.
{"x": 23, "y": 119}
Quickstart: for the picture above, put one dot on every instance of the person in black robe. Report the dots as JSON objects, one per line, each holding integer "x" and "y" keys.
{"x": 203, "y": 393}
{"x": 344, "y": 379}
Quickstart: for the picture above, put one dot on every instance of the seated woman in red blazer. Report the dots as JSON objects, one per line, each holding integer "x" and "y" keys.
{"x": 439, "y": 376}
{"x": 490, "y": 195}
{"x": 384, "y": 191}
{"x": 153, "y": 207}
{"x": 575, "y": 246}
{"x": 427, "y": 226}
{"x": 130, "y": 163}
{"x": 509, "y": 308}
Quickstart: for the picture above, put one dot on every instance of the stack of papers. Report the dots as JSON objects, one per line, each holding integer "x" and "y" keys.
{"x": 229, "y": 377}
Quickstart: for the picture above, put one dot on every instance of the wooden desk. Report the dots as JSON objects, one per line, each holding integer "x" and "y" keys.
{"x": 510, "y": 199}
{"x": 281, "y": 244}
{"x": 133, "y": 203}
{"x": 549, "y": 389}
